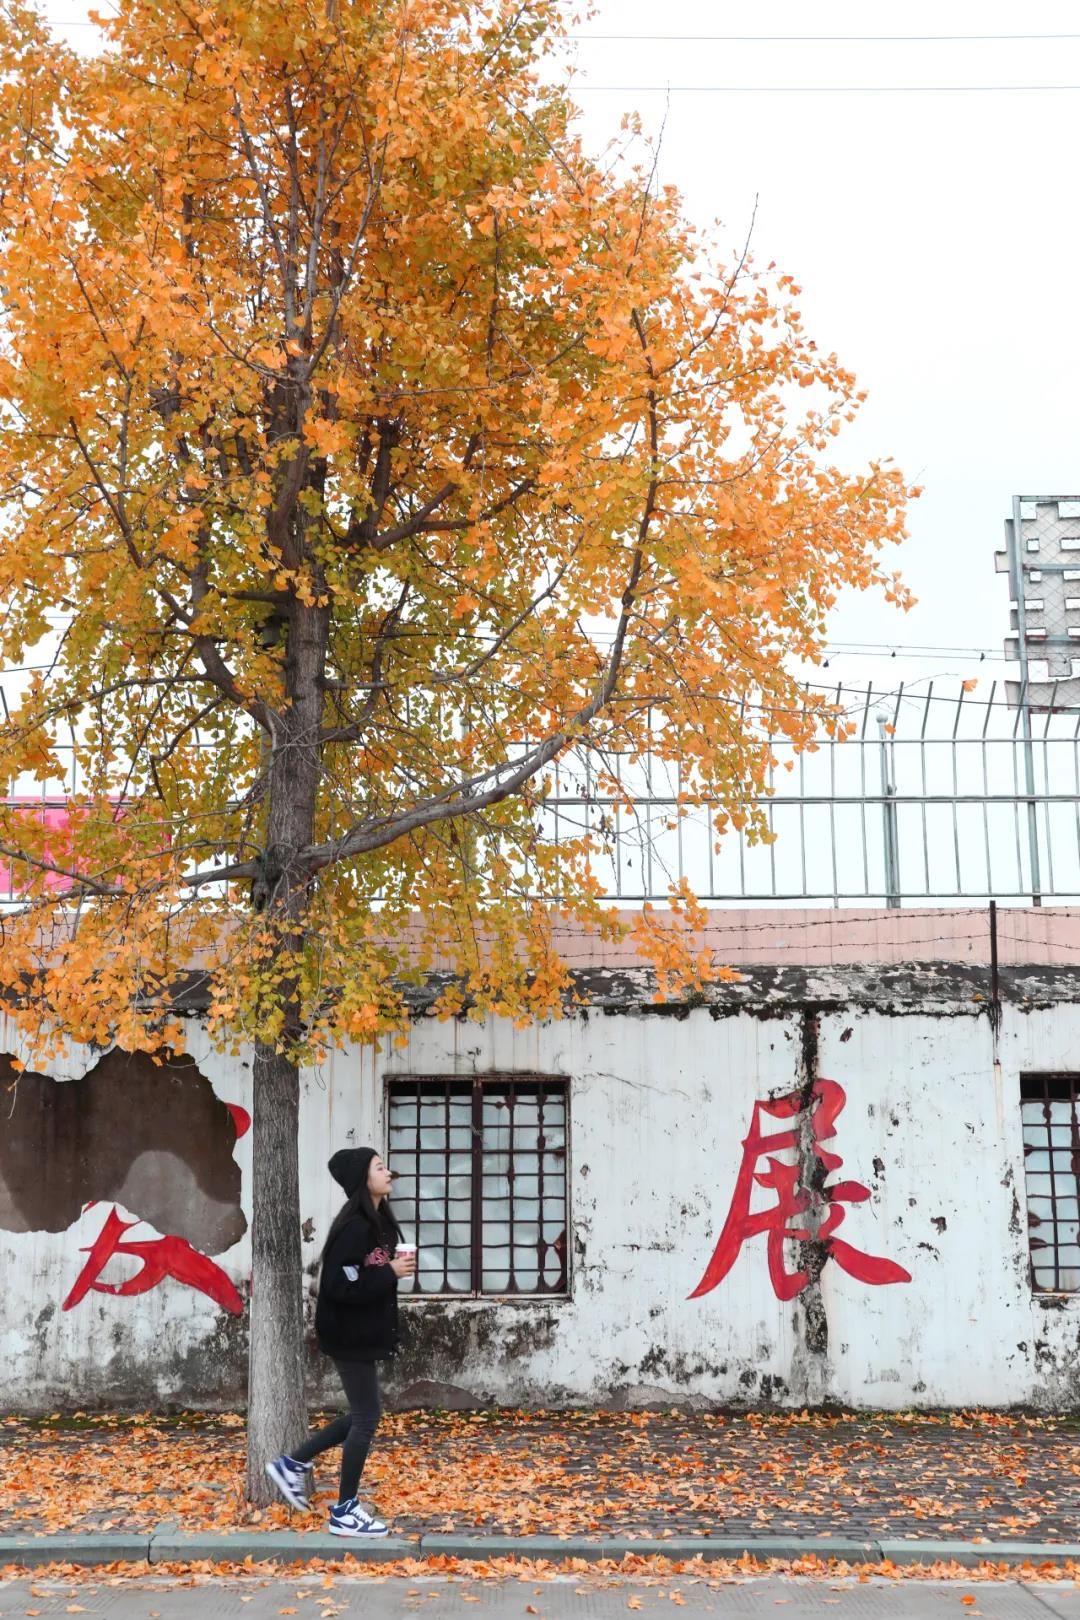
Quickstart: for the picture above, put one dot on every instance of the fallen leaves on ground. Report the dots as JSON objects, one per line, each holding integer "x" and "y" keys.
{"x": 649, "y": 1571}
{"x": 972, "y": 1476}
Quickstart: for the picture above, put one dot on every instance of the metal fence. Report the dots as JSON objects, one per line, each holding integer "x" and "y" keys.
{"x": 937, "y": 797}
{"x": 926, "y": 803}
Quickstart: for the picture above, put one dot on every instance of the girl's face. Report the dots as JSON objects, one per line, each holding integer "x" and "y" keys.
{"x": 379, "y": 1179}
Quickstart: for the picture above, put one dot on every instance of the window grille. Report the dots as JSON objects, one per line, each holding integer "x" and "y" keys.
{"x": 1048, "y": 1106}
{"x": 480, "y": 1179}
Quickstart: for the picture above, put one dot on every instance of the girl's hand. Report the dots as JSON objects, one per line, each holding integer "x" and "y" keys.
{"x": 404, "y": 1265}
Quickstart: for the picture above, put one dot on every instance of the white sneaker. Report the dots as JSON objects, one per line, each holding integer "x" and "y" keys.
{"x": 291, "y": 1480}
{"x": 350, "y": 1519}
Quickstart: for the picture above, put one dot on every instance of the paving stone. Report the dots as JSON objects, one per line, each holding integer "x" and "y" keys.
{"x": 390, "y": 1598}
{"x": 590, "y": 1474}
{"x": 493, "y": 1546}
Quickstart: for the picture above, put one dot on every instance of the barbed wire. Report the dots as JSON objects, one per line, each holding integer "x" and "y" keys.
{"x": 816, "y": 39}
{"x": 581, "y": 86}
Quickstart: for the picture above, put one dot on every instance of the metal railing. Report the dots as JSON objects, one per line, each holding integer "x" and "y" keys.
{"x": 927, "y": 803}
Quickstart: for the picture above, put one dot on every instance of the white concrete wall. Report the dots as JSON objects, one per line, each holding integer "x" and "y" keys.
{"x": 659, "y": 1108}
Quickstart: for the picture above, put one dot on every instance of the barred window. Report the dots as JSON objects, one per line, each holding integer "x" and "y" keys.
{"x": 480, "y": 1182}
{"x": 1048, "y": 1107}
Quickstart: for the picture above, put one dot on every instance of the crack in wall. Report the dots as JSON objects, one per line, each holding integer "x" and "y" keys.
{"x": 810, "y": 1367}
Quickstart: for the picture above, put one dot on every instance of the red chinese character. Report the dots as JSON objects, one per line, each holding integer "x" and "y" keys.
{"x": 161, "y": 1257}
{"x": 827, "y": 1100}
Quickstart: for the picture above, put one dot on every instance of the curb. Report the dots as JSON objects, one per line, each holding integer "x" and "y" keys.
{"x": 619, "y": 1547}
{"x": 166, "y": 1545}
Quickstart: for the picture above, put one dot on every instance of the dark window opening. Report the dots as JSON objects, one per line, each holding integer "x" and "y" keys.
{"x": 480, "y": 1182}
{"x": 1051, "y": 1125}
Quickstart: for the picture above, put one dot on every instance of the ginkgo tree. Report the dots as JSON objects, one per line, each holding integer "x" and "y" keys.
{"x": 368, "y": 448}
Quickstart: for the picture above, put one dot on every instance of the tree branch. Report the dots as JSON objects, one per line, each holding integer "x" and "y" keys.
{"x": 115, "y": 505}
{"x": 85, "y": 885}
{"x": 467, "y": 797}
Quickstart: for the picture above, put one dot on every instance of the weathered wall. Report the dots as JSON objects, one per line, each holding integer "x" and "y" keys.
{"x": 927, "y": 1120}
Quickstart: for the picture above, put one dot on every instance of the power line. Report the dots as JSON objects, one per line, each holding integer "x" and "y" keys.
{"x": 902, "y": 648}
{"x": 820, "y": 89}
{"x": 896, "y": 649}
{"x": 912, "y": 646}
{"x": 759, "y": 39}
{"x": 814, "y": 39}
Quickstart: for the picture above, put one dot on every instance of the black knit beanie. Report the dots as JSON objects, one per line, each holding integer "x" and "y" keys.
{"x": 349, "y": 1168}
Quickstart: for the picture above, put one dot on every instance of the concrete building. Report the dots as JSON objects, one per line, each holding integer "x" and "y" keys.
{"x": 605, "y": 1202}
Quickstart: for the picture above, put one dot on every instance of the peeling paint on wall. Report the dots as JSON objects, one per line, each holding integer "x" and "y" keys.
{"x": 929, "y": 1137}
{"x": 152, "y": 1137}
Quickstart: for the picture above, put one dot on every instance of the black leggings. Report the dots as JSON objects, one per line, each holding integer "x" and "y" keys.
{"x": 354, "y": 1430}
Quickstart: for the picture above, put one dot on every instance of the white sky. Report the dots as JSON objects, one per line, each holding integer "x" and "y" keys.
{"x": 935, "y": 236}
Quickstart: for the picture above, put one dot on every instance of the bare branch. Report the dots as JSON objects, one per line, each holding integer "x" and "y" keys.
{"x": 348, "y": 268}
{"x": 115, "y": 504}
{"x": 466, "y": 797}
{"x": 387, "y": 629}
{"x": 515, "y": 624}
{"x": 84, "y": 884}
{"x": 420, "y": 521}
{"x": 361, "y": 531}
{"x": 218, "y": 671}
{"x": 264, "y": 195}
{"x": 415, "y": 524}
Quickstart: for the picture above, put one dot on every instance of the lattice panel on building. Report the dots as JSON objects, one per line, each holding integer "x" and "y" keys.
{"x": 1043, "y": 564}
{"x": 480, "y": 1178}
{"x": 1048, "y": 1106}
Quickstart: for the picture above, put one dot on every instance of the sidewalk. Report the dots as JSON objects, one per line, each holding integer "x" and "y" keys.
{"x": 589, "y": 1481}
{"x": 461, "y": 1599}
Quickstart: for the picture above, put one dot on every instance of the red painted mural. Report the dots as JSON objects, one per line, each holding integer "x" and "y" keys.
{"x": 162, "y": 1257}
{"x": 792, "y": 1199}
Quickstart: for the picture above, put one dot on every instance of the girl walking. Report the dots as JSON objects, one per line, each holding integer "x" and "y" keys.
{"x": 356, "y": 1323}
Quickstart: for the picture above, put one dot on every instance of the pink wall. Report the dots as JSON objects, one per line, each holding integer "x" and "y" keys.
{"x": 1048, "y": 936}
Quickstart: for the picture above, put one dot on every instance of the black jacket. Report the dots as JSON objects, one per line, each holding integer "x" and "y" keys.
{"x": 357, "y": 1320}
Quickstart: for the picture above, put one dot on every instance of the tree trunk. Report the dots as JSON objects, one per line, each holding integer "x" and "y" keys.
{"x": 277, "y": 1410}
{"x": 277, "y": 1407}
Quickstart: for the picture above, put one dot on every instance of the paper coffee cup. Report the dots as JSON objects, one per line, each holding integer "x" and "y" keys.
{"x": 406, "y": 1251}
